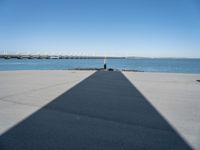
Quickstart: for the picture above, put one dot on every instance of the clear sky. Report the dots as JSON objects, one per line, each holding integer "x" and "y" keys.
{"x": 152, "y": 28}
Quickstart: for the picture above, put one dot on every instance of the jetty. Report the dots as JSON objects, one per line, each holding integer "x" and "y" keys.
{"x": 93, "y": 110}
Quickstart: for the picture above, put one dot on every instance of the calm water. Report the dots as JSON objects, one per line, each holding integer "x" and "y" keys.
{"x": 149, "y": 65}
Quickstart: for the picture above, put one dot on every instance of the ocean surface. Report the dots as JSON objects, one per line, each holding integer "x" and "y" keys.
{"x": 147, "y": 65}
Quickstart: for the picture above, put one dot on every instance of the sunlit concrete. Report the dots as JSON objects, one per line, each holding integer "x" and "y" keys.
{"x": 24, "y": 92}
{"x": 105, "y": 104}
{"x": 176, "y": 97}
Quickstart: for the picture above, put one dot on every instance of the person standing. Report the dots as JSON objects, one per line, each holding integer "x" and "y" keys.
{"x": 105, "y": 66}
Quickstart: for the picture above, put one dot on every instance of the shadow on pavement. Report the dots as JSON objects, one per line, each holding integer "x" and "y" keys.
{"x": 105, "y": 111}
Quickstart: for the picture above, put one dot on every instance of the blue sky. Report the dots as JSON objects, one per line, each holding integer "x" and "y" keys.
{"x": 149, "y": 28}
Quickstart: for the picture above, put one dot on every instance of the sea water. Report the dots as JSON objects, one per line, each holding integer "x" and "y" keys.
{"x": 147, "y": 65}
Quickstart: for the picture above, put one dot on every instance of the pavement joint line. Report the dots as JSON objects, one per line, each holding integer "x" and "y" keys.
{"x": 20, "y": 103}
{"x": 85, "y": 115}
{"x": 106, "y": 120}
{"x": 34, "y": 90}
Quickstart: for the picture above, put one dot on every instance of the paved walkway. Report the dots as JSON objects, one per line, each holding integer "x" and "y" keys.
{"x": 104, "y": 111}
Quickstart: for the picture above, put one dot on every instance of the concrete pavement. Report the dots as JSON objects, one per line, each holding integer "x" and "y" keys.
{"x": 104, "y": 110}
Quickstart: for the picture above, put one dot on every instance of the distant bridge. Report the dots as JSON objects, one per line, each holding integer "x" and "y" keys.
{"x": 20, "y": 56}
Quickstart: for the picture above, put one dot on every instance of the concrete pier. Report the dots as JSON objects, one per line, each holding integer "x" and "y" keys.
{"x": 99, "y": 110}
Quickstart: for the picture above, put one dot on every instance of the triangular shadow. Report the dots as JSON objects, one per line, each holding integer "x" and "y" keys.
{"x": 105, "y": 111}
